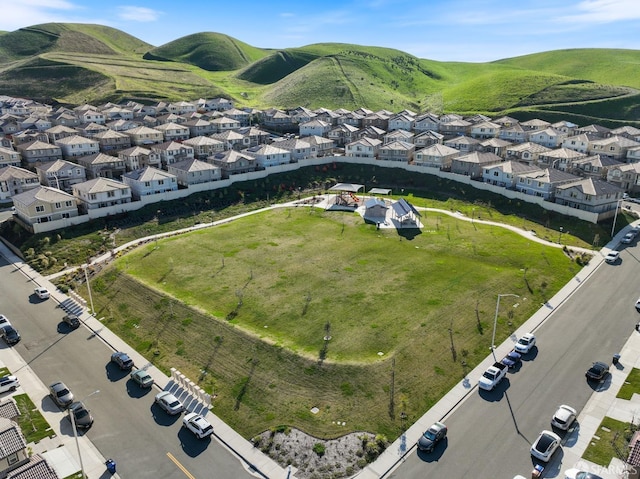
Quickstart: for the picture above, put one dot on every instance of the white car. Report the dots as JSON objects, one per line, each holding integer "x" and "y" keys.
{"x": 9, "y": 383}
{"x": 546, "y": 444}
{"x": 578, "y": 474}
{"x": 4, "y": 321}
{"x": 169, "y": 403}
{"x": 197, "y": 424}
{"x": 42, "y": 293}
{"x": 525, "y": 343}
{"x": 612, "y": 256}
{"x": 564, "y": 417}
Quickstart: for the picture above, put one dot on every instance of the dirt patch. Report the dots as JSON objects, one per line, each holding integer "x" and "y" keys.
{"x": 315, "y": 458}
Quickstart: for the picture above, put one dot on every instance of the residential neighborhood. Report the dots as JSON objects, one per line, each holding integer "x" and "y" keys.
{"x": 80, "y": 163}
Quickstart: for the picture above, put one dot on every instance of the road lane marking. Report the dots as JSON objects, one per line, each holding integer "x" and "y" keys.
{"x": 180, "y": 466}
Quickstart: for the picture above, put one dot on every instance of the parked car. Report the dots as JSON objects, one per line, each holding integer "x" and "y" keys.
{"x": 123, "y": 360}
{"x": 564, "y": 417}
{"x": 10, "y": 334}
{"x": 512, "y": 359}
{"x": 628, "y": 238}
{"x": 197, "y": 424}
{"x": 578, "y": 474}
{"x": 4, "y": 320}
{"x": 61, "y": 394}
{"x": 432, "y": 436}
{"x": 597, "y": 371}
{"x": 612, "y": 256}
{"x": 71, "y": 320}
{"x": 525, "y": 343}
{"x": 546, "y": 444}
{"x": 8, "y": 383}
{"x": 42, "y": 293}
{"x": 638, "y": 304}
{"x": 142, "y": 378}
{"x": 169, "y": 403}
{"x": 81, "y": 415}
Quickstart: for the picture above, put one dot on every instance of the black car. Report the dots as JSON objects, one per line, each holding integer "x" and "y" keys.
{"x": 122, "y": 360}
{"x": 71, "y": 320}
{"x": 81, "y": 415}
{"x": 10, "y": 334}
{"x": 597, "y": 371}
{"x": 436, "y": 433}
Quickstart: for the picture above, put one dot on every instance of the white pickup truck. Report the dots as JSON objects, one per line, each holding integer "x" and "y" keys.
{"x": 492, "y": 376}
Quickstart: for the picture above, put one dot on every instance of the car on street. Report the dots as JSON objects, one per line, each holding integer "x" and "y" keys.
{"x": 198, "y": 425}
{"x": 123, "y": 360}
{"x": 61, "y": 394}
{"x": 10, "y": 334}
{"x": 512, "y": 359}
{"x": 169, "y": 403}
{"x": 597, "y": 371}
{"x": 42, "y": 293}
{"x": 71, "y": 320}
{"x": 432, "y": 436}
{"x": 578, "y": 474}
{"x": 612, "y": 256}
{"x": 142, "y": 378}
{"x": 564, "y": 417}
{"x": 4, "y": 320}
{"x": 525, "y": 343}
{"x": 628, "y": 238}
{"x": 81, "y": 415}
{"x": 638, "y": 304}
{"x": 546, "y": 444}
{"x": 8, "y": 383}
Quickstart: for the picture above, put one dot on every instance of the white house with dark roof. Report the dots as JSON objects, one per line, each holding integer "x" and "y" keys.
{"x": 149, "y": 181}
{"x": 580, "y": 142}
{"x": 299, "y": 148}
{"x": 314, "y": 127}
{"x": 560, "y": 158}
{"x": 192, "y": 172}
{"x": 614, "y": 147}
{"x": 505, "y": 174}
{"x": 363, "y": 148}
{"x": 76, "y": 145}
{"x": 543, "y": 183}
{"x": 269, "y": 155}
{"x": 101, "y": 193}
{"x": 15, "y": 180}
{"x": 594, "y": 166}
{"x": 549, "y": 137}
{"x": 231, "y": 139}
{"x": 484, "y": 130}
{"x": 589, "y": 194}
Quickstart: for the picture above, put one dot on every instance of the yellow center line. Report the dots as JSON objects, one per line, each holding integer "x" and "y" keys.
{"x": 180, "y": 466}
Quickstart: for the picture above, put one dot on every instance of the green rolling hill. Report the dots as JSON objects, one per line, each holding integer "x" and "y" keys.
{"x": 78, "y": 63}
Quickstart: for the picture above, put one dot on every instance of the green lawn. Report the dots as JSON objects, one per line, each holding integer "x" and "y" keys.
{"x": 254, "y": 299}
{"x": 631, "y": 385}
{"x": 33, "y": 425}
{"x": 610, "y": 440}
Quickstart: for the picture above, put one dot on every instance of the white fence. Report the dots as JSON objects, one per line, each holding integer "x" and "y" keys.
{"x": 254, "y": 175}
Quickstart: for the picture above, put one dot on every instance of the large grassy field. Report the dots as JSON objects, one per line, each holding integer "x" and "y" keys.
{"x": 243, "y": 309}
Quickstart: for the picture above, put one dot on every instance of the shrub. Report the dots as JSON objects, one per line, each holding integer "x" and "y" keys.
{"x": 319, "y": 449}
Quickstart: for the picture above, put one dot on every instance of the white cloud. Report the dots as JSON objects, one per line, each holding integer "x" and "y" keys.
{"x": 138, "y": 14}
{"x": 604, "y": 11}
{"x": 33, "y": 12}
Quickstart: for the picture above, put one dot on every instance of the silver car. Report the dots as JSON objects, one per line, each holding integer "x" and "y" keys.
{"x": 61, "y": 394}
{"x": 564, "y": 417}
{"x": 169, "y": 403}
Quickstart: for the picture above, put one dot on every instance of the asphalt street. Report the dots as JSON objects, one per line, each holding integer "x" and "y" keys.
{"x": 146, "y": 442}
{"x": 491, "y": 432}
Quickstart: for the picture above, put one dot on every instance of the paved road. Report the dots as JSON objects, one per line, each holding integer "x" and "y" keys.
{"x": 490, "y": 433}
{"x": 127, "y": 426}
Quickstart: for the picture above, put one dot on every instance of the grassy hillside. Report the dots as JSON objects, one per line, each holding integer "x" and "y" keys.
{"x": 209, "y": 51}
{"x": 78, "y": 63}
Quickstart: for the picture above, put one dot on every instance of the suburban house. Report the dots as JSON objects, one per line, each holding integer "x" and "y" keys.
{"x": 633, "y": 154}
{"x": 495, "y": 145}
{"x": 370, "y": 132}
{"x": 535, "y": 124}
{"x": 13, "y": 446}
{"x": 463, "y": 144}
{"x": 173, "y": 132}
{"x": 614, "y": 147}
{"x": 9, "y": 157}
{"x": 252, "y": 136}
{"x": 401, "y": 121}
{"x": 589, "y": 194}
{"x": 377, "y": 119}
{"x": 144, "y": 136}
{"x": 397, "y": 151}
{"x": 549, "y": 137}
{"x": 173, "y": 152}
{"x": 543, "y": 183}
{"x": 124, "y": 125}
{"x": 224, "y": 123}
{"x": 351, "y": 118}
{"x": 560, "y": 158}
{"x": 15, "y": 180}
{"x": 506, "y": 174}
{"x": 565, "y": 127}
{"x": 101, "y": 165}
{"x": 101, "y": 193}
{"x": 298, "y": 148}
{"x": 149, "y": 181}
{"x": 231, "y": 139}
{"x": 192, "y": 171}
{"x": 363, "y": 148}
{"x": 199, "y": 127}
{"x": 527, "y": 152}
{"x": 59, "y": 132}
{"x": 269, "y": 155}
{"x": 314, "y": 127}
{"x": 91, "y": 129}
{"x": 242, "y": 117}
{"x": 473, "y": 164}
{"x": 61, "y": 174}
{"x": 76, "y": 145}
{"x": 43, "y": 204}
{"x": 625, "y": 176}
{"x": 435, "y": 156}
{"x": 25, "y": 136}
{"x": 426, "y": 122}
{"x": 455, "y": 128}
{"x": 514, "y": 134}
{"x": 38, "y": 152}
{"x": 320, "y": 146}
{"x": 484, "y": 130}
{"x": 598, "y": 131}
{"x": 110, "y": 140}
{"x": 579, "y": 142}
{"x": 138, "y": 157}
{"x": 342, "y": 134}
{"x": 627, "y": 131}
{"x": 278, "y": 120}
{"x": 203, "y": 146}
{"x": 36, "y": 467}
{"x": 92, "y": 116}
{"x": 215, "y": 104}
{"x": 428, "y": 138}
{"x": 233, "y": 162}
{"x": 398, "y": 135}
{"x": 595, "y": 166}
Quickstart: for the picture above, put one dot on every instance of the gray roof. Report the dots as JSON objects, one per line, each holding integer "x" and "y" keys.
{"x": 11, "y": 438}
{"x": 36, "y": 468}
{"x": 9, "y": 409}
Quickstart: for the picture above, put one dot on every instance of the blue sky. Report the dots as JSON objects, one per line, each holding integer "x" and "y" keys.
{"x": 445, "y": 30}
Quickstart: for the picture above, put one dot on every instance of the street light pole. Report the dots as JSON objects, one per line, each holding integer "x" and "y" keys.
{"x": 495, "y": 323}
{"x": 615, "y": 217}
{"x": 75, "y": 432}
{"x": 560, "y": 236}
{"x": 86, "y": 277}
